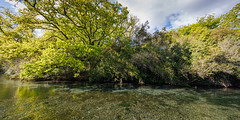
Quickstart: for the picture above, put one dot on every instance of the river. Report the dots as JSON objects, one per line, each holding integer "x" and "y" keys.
{"x": 67, "y": 101}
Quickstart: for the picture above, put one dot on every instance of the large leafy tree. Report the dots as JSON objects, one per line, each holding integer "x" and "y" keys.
{"x": 77, "y": 34}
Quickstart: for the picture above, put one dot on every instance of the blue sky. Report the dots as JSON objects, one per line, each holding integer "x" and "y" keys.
{"x": 165, "y": 13}
{"x": 5, "y": 4}
{"x": 14, "y": 6}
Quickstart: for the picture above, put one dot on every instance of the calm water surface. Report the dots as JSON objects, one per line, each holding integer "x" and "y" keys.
{"x": 64, "y": 101}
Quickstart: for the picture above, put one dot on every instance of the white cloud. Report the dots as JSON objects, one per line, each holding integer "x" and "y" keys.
{"x": 16, "y": 5}
{"x": 159, "y": 13}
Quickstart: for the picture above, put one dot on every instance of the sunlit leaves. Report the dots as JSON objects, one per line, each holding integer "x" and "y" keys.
{"x": 232, "y": 18}
{"x": 77, "y": 34}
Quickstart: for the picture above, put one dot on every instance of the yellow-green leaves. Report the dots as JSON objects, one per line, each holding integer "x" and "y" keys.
{"x": 77, "y": 34}
{"x": 232, "y": 18}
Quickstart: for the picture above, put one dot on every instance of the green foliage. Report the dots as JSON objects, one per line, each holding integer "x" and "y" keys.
{"x": 77, "y": 34}
{"x": 214, "y": 45}
{"x": 209, "y": 21}
{"x": 232, "y": 18}
{"x": 116, "y": 64}
{"x": 163, "y": 61}
{"x": 97, "y": 40}
{"x": 209, "y": 54}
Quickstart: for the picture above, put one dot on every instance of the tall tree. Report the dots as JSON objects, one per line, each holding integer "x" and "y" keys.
{"x": 80, "y": 31}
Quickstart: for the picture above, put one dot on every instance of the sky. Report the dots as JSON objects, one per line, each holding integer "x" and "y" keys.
{"x": 175, "y": 13}
{"x": 164, "y": 13}
{"x": 15, "y": 6}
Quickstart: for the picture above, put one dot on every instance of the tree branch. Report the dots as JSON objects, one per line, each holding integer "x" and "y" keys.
{"x": 47, "y": 19}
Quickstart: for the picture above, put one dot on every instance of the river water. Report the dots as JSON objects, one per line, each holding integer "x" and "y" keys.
{"x": 67, "y": 101}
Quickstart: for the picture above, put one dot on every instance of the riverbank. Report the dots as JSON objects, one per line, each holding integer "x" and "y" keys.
{"x": 203, "y": 83}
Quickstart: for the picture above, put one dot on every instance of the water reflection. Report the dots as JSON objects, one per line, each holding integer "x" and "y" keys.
{"x": 28, "y": 92}
{"x": 49, "y": 100}
{"x": 7, "y": 88}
